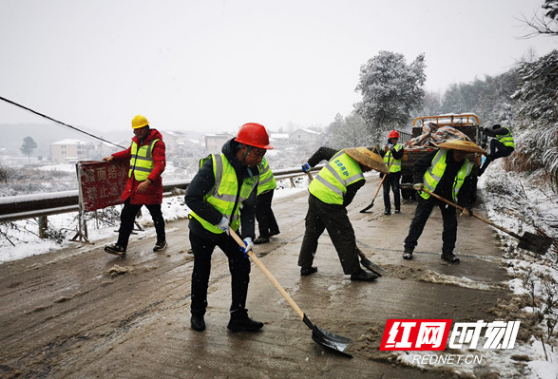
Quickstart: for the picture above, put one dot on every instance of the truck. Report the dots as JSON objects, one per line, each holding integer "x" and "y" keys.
{"x": 466, "y": 123}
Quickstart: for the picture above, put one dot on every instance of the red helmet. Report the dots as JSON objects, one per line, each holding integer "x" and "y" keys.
{"x": 393, "y": 134}
{"x": 254, "y": 135}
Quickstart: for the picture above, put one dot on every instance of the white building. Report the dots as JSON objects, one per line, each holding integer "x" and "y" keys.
{"x": 304, "y": 136}
{"x": 71, "y": 151}
{"x": 214, "y": 142}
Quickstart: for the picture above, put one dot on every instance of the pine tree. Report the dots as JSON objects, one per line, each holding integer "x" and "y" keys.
{"x": 390, "y": 90}
{"x": 28, "y": 146}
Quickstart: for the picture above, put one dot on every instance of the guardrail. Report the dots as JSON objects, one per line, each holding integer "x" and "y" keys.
{"x": 14, "y": 208}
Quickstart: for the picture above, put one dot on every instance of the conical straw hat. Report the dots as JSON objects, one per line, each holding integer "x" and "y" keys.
{"x": 468, "y": 146}
{"x": 367, "y": 158}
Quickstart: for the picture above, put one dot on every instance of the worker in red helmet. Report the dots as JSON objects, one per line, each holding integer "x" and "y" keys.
{"x": 392, "y": 154}
{"x": 222, "y": 196}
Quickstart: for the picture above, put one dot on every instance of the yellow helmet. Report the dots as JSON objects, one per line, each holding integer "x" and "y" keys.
{"x": 139, "y": 122}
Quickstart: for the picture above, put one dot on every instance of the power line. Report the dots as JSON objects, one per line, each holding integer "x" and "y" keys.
{"x": 59, "y": 122}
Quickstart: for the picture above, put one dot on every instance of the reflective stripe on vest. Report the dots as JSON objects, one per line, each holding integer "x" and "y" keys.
{"x": 141, "y": 161}
{"x": 506, "y": 139}
{"x": 330, "y": 185}
{"x": 436, "y": 170}
{"x": 396, "y": 165}
{"x": 224, "y": 195}
{"x": 267, "y": 179}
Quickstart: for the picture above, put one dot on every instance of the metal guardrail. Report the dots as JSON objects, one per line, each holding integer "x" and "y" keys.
{"x": 14, "y": 208}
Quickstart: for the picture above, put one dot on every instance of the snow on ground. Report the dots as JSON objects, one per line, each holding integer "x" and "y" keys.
{"x": 20, "y": 239}
{"x": 511, "y": 200}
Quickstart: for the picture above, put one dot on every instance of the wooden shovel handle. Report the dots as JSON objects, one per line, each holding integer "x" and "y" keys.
{"x": 382, "y": 182}
{"x": 269, "y": 276}
{"x": 310, "y": 175}
{"x": 474, "y": 214}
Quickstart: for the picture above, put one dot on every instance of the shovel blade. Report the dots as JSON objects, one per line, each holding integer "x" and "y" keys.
{"x": 368, "y": 207}
{"x": 331, "y": 341}
{"x": 535, "y": 243}
{"x": 371, "y": 266}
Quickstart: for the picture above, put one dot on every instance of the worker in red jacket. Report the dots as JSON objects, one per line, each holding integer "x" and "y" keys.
{"x": 144, "y": 186}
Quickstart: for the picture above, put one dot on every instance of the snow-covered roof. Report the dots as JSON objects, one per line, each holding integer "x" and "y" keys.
{"x": 309, "y": 131}
{"x": 279, "y": 135}
{"x": 70, "y": 141}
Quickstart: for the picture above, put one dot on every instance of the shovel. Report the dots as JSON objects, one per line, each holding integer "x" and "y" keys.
{"x": 319, "y": 335}
{"x": 378, "y": 190}
{"x": 367, "y": 263}
{"x": 529, "y": 241}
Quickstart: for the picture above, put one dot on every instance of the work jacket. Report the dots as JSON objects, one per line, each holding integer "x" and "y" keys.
{"x": 506, "y": 139}
{"x": 330, "y": 185}
{"x": 226, "y": 196}
{"x": 436, "y": 171}
{"x": 205, "y": 185}
{"x": 147, "y": 161}
{"x": 390, "y": 159}
{"x": 267, "y": 180}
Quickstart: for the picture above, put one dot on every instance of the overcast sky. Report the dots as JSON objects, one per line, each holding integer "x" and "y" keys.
{"x": 211, "y": 65}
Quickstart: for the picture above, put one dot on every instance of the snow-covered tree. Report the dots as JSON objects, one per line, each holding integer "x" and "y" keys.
{"x": 489, "y": 98}
{"x": 350, "y": 131}
{"x": 28, "y": 146}
{"x": 390, "y": 90}
{"x": 537, "y": 107}
{"x": 547, "y": 24}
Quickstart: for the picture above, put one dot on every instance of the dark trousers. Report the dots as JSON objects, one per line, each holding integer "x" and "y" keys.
{"x": 267, "y": 224}
{"x": 497, "y": 150}
{"x": 239, "y": 267}
{"x": 422, "y": 213}
{"x": 128, "y": 216}
{"x": 334, "y": 218}
{"x": 392, "y": 182}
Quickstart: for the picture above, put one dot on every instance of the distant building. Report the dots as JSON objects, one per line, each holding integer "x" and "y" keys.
{"x": 71, "y": 151}
{"x": 305, "y": 136}
{"x": 178, "y": 144}
{"x": 279, "y": 140}
{"x": 214, "y": 142}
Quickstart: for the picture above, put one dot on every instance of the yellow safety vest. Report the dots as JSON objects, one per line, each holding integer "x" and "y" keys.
{"x": 396, "y": 165}
{"x": 141, "y": 161}
{"x": 434, "y": 174}
{"x": 330, "y": 185}
{"x": 225, "y": 196}
{"x": 267, "y": 179}
{"x": 506, "y": 139}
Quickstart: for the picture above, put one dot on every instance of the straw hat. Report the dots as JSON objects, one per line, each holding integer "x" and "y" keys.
{"x": 367, "y": 158}
{"x": 468, "y": 146}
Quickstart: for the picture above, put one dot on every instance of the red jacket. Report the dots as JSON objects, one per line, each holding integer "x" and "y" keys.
{"x": 154, "y": 194}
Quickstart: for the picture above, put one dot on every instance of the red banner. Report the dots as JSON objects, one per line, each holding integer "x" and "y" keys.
{"x": 101, "y": 183}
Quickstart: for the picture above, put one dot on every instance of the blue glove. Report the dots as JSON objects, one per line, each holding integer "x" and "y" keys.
{"x": 248, "y": 245}
{"x": 305, "y": 167}
{"x": 224, "y": 225}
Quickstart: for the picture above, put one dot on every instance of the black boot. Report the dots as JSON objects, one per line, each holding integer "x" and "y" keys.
{"x": 197, "y": 323}
{"x": 408, "y": 253}
{"x": 364, "y": 276}
{"x": 450, "y": 257}
{"x": 244, "y": 325}
{"x": 305, "y": 271}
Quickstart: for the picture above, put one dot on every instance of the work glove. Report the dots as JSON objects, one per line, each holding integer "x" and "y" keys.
{"x": 224, "y": 225}
{"x": 389, "y": 146}
{"x": 248, "y": 245}
{"x": 305, "y": 167}
{"x": 467, "y": 212}
{"x": 418, "y": 186}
